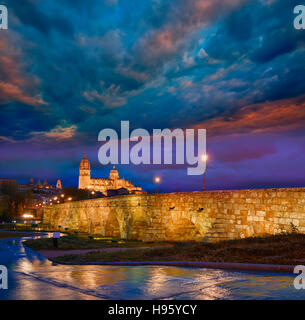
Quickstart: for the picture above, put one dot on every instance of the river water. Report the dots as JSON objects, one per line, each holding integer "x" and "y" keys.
{"x": 31, "y": 276}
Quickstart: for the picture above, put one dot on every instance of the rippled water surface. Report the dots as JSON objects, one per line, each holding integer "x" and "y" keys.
{"x": 31, "y": 276}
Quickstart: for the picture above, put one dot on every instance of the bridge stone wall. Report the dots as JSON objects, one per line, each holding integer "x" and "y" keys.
{"x": 190, "y": 216}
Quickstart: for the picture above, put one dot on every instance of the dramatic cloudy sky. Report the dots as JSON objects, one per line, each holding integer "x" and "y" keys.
{"x": 70, "y": 68}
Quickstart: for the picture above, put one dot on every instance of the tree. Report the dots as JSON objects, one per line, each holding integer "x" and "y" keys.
{"x": 80, "y": 194}
{"x": 13, "y": 201}
{"x": 9, "y": 198}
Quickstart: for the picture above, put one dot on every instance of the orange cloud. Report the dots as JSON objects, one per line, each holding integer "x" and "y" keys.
{"x": 16, "y": 84}
{"x": 11, "y": 92}
{"x": 165, "y": 39}
{"x": 193, "y": 14}
{"x": 275, "y": 116}
{"x": 58, "y": 133}
{"x": 62, "y": 132}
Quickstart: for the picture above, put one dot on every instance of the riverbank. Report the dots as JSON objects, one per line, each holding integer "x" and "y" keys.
{"x": 11, "y": 234}
{"x": 84, "y": 242}
{"x": 285, "y": 249}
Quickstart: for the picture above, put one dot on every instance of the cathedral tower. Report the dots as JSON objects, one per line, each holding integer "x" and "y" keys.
{"x": 103, "y": 184}
{"x": 114, "y": 174}
{"x": 58, "y": 184}
{"x": 84, "y": 174}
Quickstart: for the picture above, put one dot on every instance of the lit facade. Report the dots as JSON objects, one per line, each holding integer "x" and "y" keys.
{"x": 103, "y": 184}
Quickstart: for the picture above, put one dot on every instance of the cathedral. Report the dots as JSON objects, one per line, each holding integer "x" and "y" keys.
{"x": 103, "y": 184}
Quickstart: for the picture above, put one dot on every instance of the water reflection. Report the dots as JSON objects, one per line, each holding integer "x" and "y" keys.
{"x": 31, "y": 276}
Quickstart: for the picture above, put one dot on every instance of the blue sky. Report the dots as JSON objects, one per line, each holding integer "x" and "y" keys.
{"x": 71, "y": 68}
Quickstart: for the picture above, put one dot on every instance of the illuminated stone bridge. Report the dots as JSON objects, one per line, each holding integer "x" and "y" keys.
{"x": 189, "y": 216}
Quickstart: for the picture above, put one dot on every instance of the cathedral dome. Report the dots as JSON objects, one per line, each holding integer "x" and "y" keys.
{"x": 85, "y": 164}
{"x": 114, "y": 174}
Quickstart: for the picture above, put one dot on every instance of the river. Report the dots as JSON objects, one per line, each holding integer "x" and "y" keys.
{"x": 32, "y": 276}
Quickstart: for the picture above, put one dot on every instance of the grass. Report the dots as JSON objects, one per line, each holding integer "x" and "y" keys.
{"x": 279, "y": 249}
{"x": 79, "y": 242}
{"x": 6, "y": 235}
{"x": 24, "y": 227}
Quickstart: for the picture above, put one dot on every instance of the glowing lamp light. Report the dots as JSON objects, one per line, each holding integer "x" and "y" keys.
{"x": 28, "y": 215}
{"x": 157, "y": 180}
{"x": 204, "y": 157}
{"x": 55, "y": 198}
{"x": 62, "y": 195}
{"x": 69, "y": 199}
{"x": 92, "y": 192}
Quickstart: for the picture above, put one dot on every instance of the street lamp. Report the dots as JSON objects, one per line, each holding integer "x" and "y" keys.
{"x": 204, "y": 158}
{"x": 157, "y": 181}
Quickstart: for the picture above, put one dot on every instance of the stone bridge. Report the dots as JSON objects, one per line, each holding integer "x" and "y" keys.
{"x": 189, "y": 216}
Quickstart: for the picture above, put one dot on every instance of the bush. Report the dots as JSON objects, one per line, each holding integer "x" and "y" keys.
{"x": 5, "y": 217}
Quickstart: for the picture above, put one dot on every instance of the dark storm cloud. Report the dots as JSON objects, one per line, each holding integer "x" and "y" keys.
{"x": 30, "y": 14}
{"x": 71, "y": 68}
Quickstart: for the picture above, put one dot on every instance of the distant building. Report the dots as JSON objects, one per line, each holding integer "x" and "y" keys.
{"x": 8, "y": 182}
{"x": 44, "y": 187}
{"x": 36, "y": 196}
{"x": 104, "y": 184}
